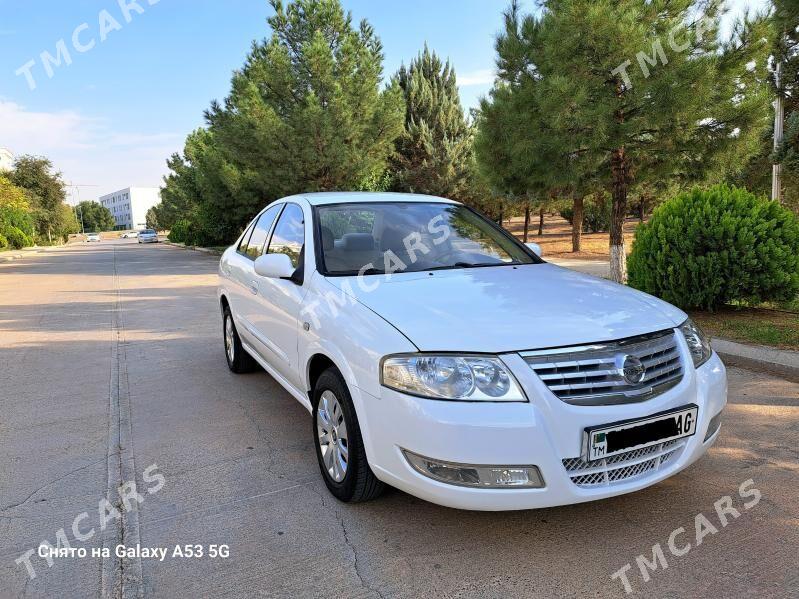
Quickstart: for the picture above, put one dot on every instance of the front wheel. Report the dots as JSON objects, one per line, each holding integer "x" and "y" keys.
{"x": 338, "y": 441}
{"x": 238, "y": 360}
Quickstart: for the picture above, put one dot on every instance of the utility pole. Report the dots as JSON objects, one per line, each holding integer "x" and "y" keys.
{"x": 776, "y": 169}
{"x": 76, "y": 196}
{"x": 81, "y": 218}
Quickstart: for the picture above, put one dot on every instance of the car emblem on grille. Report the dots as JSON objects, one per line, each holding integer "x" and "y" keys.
{"x": 632, "y": 369}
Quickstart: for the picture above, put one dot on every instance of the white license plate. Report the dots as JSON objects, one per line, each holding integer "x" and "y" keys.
{"x": 619, "y": 437}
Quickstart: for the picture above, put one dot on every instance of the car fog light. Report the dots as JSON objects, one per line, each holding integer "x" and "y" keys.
{"x": 713, "y": 426}
{"x": 469, "y": 475}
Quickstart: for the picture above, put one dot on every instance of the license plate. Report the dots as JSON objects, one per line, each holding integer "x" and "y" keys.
{"x": 618, "y": 437}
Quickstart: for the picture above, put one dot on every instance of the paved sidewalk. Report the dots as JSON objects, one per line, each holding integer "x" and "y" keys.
{"x": 598, "y": 268}
{"x": 781, "y": 362}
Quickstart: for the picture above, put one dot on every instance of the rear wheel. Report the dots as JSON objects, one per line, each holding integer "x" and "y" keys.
{"x": 238, "y": 360}
{"x": 339, "y": 445}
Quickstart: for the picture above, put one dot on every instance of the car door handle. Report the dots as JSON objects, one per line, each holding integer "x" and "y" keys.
{"x": 253, "y": 288}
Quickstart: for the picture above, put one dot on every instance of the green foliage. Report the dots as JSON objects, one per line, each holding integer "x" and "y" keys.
{"x": 3, "y": 242}
{"x": 179, "y": 231}
{"x": 151, "y": 219}
{"x": 434, "y": 154}
{"x": 14, "y": 208}
{"x": 16, "y": 238}
{"x": 96, "y": 217}
{"x": 594, "y": 94}
{"x": 45, "y": 193}
{"x": 706, "y": 248}
{"x": 596, "y": 214}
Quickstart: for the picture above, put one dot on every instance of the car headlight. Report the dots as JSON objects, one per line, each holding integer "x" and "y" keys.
{"x": 465, "y": 378}
{"x": 698, "y": 343}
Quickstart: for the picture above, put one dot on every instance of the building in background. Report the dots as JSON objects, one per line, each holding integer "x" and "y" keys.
{"x": 130, "y": 205}
{"x": 6, "y": 159}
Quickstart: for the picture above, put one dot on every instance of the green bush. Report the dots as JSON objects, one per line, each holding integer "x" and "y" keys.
{"x": 706, "y": 248}
{"x": 3, "y": 242}
{"x": 596, "y": 215}
{"x": 16, "y": 238}
{"x": 179, "y": 231}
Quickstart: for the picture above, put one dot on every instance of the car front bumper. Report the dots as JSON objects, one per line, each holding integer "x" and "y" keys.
{"x": 543, "y": 432}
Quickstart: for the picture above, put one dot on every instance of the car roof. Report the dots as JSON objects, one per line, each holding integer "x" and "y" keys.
{"x": 342, "y": 197}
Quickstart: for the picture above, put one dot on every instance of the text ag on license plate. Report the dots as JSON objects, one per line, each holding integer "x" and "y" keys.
{"x": 618, "y": 437}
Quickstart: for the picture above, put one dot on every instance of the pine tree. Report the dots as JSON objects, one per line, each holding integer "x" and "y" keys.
{"x": 641, "y": 88}
{"x": 519, "y": 149}
{"x": 307, "y": 112}
{"x": 434, "y": 154}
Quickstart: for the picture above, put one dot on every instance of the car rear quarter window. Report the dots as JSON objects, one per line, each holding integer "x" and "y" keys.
{"x": 253, "y": 247}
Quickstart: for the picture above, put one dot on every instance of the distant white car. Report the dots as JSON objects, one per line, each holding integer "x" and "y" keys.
{"x": 92, "y": 237}
{"x": 148, "y": 236}
{"x": 130, "y": 235}
{"x": 439, "y": 355}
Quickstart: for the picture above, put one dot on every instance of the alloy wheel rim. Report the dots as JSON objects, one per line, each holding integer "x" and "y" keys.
{"x": 331, "y": 431}
{"x": 230, "y": 349}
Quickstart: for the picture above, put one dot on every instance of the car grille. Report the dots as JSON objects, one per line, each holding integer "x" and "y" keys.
{"x": 593, "y": 374}
{"x": 623, "y": 467}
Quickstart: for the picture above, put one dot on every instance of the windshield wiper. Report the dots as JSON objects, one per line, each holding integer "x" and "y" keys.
{"x": 469, "y": 265}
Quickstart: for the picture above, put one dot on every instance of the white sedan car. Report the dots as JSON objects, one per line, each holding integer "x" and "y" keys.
{"x": 439, "y": 355}
{"x": 130, "y": 235}
{"x": 148, "y": 236}
{"x": 90, "y": 237}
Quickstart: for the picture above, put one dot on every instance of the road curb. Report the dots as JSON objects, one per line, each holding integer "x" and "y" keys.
{"x": 783, "y": 363}
{"x": 196, "y": 248}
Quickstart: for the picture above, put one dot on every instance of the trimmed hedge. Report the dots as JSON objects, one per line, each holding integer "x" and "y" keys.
{"x": 709, "y": 247}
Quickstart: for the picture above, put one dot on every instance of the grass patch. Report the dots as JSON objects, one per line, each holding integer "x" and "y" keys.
{"x": 760, "y": 326}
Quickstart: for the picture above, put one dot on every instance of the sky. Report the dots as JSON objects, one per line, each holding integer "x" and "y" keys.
{"x": 139, "y": 80}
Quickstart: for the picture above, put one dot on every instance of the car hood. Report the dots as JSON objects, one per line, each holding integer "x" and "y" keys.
{"x": 506, "y": 308}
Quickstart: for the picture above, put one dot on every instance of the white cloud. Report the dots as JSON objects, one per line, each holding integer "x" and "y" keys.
{"x": 87, "y": 150}
{"x": 478, "y": 77}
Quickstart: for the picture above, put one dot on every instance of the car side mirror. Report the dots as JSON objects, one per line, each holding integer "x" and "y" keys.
{"x": 274, "y": 266}
{"x": 535, "y": 248}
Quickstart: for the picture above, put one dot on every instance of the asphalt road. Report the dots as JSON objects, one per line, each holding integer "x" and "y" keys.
{"x": 111, "y": 361}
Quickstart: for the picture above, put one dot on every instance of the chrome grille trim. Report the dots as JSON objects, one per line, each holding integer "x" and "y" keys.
{"x": 590, "y": 375}
{"x": 623, "y": 467}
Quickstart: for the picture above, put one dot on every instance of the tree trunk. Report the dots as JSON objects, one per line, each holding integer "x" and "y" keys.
{"x": 642, "y": 209}
{"x": 541, "y": 221}
{"x": 526, "y": 221}
{"x": 618, "y": 259}
{"x": 501, "y": 215}
{"x": 577, "y": 224}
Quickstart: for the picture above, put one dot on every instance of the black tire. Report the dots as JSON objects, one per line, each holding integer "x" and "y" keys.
{"x": 240, "y": 362}
{"x": 359, "y": 482}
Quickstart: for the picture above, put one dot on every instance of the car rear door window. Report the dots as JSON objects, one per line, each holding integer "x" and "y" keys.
{"x": 260, "y": 231}
{"x": 289, "y": 235}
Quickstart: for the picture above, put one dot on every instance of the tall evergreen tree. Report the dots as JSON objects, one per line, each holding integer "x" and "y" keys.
{"x": 434, "y": 154}
{"x": 643, "y": 87}
{"x": 307, "y": 112}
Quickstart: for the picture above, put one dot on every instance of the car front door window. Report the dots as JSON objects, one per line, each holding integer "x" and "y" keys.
{"x": 289, "y": 235}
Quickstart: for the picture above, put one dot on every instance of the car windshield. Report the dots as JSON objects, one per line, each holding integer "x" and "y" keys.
{"x": 148, "y": 232}
{"x": 388, "y": 237}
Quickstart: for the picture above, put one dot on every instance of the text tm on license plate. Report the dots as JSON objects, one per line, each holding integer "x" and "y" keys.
{"x": 618, "y": 437}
